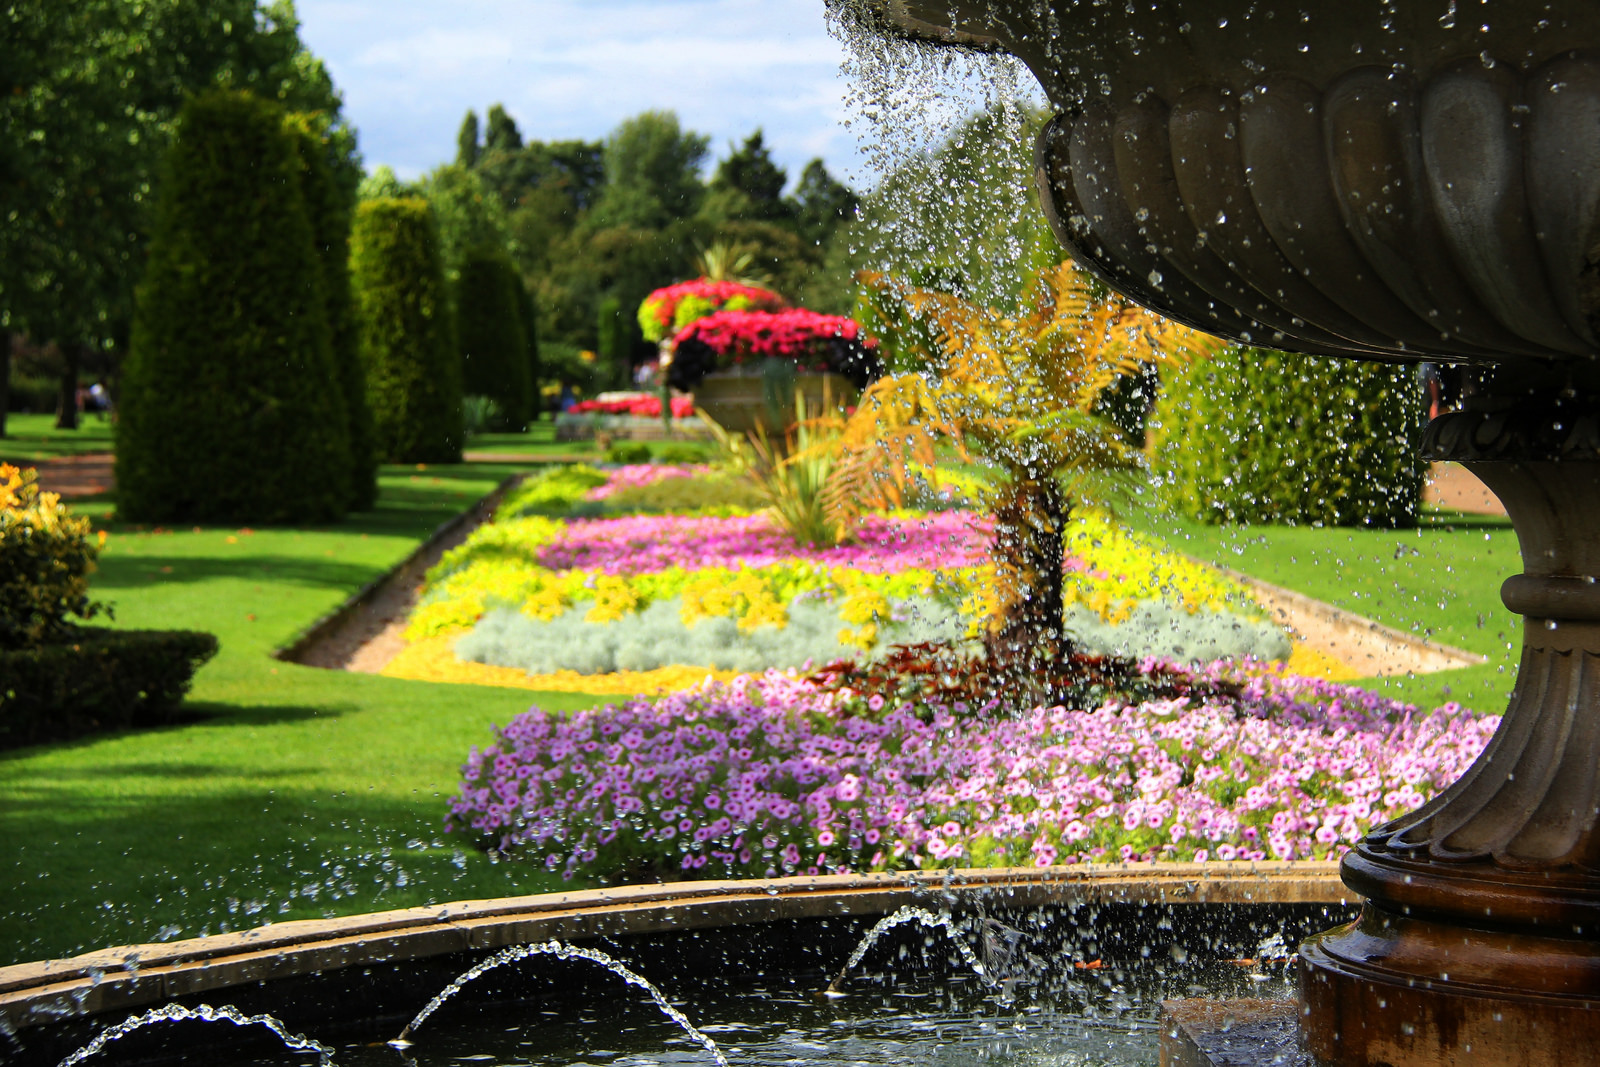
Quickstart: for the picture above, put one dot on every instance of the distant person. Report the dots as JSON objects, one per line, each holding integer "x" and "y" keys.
{"x": 99, "y": 400}
{"x": 568, "y": 400}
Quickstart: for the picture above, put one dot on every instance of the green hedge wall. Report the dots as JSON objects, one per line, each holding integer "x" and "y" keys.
{"x": 329, "y": 209}
{"x": 1257, "y": 436}
{"x": 407, "y": 340}
{"x": 528, "y": 316}
{"x": 494, "y": 349}
{"x": 97, "y": 680}
{"x": 230, "y": 409}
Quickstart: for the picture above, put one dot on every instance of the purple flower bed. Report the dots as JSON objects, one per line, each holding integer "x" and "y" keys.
{"x": 644, "y": 543}
{"x": 769, "y": 775}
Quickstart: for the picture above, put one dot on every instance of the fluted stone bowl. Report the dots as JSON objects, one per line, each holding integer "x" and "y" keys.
{"x": 1384, "y": 180}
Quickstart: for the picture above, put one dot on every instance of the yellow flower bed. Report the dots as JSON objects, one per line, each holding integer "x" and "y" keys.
{"x": 433, "y": 659}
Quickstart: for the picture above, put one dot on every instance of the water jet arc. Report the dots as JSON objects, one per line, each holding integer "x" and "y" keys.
{"x": 1383, "y": 181}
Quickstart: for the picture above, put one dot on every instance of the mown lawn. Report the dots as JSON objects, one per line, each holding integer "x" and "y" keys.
{"x": 34, "y": 438}
{"x": 297, "y": 792}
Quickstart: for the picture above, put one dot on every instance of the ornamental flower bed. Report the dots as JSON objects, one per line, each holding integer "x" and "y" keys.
{"x": 734, "y": 592}
{"x": 668, "y": 310}
{"x": 813, "y": 342}
{"x": 642, "y": 406}
{"x": 773, "y": 775}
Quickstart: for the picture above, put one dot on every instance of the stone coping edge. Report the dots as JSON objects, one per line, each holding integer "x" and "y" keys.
{"x": 340, "y": 617}
{"x": 132, "y": 976}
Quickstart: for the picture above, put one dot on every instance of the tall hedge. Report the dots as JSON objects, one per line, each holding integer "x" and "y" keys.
{"x": 528, "y": 315}
{"x": 329, "y": 208}
{"x": 494, "y": 349}
{"x": 230, "y": 408}
{"x": 1258, "y": 436}
{"x": 407, "y": 340}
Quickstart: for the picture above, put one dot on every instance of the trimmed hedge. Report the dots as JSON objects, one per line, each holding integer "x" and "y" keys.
{"x": 528, "y": 316}
{"x": 407, "y": 340}
{"x": 1257, "y": 436}
{"x": 494, "y": 348}
{"x": 230, "y": 410}
{"x": 97, "y": 680}
{"x": 329, "y": 210}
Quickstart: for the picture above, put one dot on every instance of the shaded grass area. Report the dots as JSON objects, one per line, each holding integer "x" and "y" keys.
{"x": 1440, "y": 581}
{"x": 294, "y": 792}
{"x": 34, "y": 439}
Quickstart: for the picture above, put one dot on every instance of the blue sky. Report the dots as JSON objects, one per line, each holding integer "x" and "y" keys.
{"x": 410, "y": 69}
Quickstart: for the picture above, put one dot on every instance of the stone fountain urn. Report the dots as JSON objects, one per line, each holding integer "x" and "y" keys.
{"x": 1400, "y": 181}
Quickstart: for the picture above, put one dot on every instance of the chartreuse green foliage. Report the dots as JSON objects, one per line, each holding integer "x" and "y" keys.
{"x": 407, "y": 341}
{"x": 46, "y": 557}
{"x": 1256, "y": 436}
{"x": 231, "y": 408}
{"x": 329, "y": 206}
{"x": 494, "y": 348}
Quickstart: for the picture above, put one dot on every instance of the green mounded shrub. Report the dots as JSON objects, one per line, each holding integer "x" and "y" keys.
{"x": 493, "y": 346}
{"x": 330, "y": 209}
{"x": 95, "y": 679}
{"x": 230, "y": 408}
{"x": 683, "y": 452}
{"x": 628, "y": 452}
{"x": 407, "y": 341}
{"x": 46, "y": 557}
{"x": 555, "y": 492}
{"x": 715, "y": 493}
{"x": 1257, "y": 436}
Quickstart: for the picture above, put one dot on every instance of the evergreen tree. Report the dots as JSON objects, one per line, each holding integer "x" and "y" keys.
{"x": 493, "y": 346}
{"x": 528, "y": 317}
{"x": 503, "y": 135}
{"x": 407, "y": 340}
{"x": 329, "y": 209}
{"x": 230, "y": 409}
{"x": 821, "y": 203}
{"x": 467, "y": 141}
{"x": 1252, "y": 435}
{"x": 748, "y": 184}
{"x": 614, "y": 350}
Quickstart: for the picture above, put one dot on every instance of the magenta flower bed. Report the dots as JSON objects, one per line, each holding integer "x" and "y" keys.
{"x": 646, "y": 543}
{"x": 770, "y": 775}
{"x": 638, "y": 475}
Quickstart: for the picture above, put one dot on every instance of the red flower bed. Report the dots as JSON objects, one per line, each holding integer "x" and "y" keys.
{"x": 813, "y": 341}
{"x": 645, "y": 405}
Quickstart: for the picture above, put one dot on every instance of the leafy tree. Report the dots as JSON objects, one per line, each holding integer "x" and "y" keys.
{"x": 1015, "y": 390}
{"x": 407, "y": 339}
{"x": 821, "y": 203}
{"x": 493, "y": 346}
{"x": 467, "y": 141}
{"x": 231, "y": 407}
{"x": 92, "y": 91}
{"x": 329, "y": 208}
{"x": 382, "y": 184}
{"x": 470, "y": 217}
{"x": 652, "y": 172}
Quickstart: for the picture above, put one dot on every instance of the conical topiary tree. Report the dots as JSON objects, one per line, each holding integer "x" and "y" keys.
{"x": 528, "y": 315}
{"x": 407, "y": 341}
{"x": 494, "y": 349}
{"x": 329, "y": 209}
{"x": 230, "y": 409}
{"x": 1254, "y": 436}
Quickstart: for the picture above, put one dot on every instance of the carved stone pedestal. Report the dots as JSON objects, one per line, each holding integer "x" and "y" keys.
{"x": 1480, "y": 938}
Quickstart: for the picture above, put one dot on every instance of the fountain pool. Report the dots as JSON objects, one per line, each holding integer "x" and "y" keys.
{"x": 1077, "y": 963}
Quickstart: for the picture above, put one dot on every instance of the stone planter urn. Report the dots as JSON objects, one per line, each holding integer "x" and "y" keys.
{"x": 1387, "y": 180}
{"x": 757, "y": 401}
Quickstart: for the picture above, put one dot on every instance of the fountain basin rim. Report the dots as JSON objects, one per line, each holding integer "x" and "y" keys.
{"x": 132, "y": 976}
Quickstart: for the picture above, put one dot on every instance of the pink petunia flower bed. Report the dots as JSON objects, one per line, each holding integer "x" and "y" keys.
{"x": 771, "y": 775}
{"x": 883, "y": 545}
